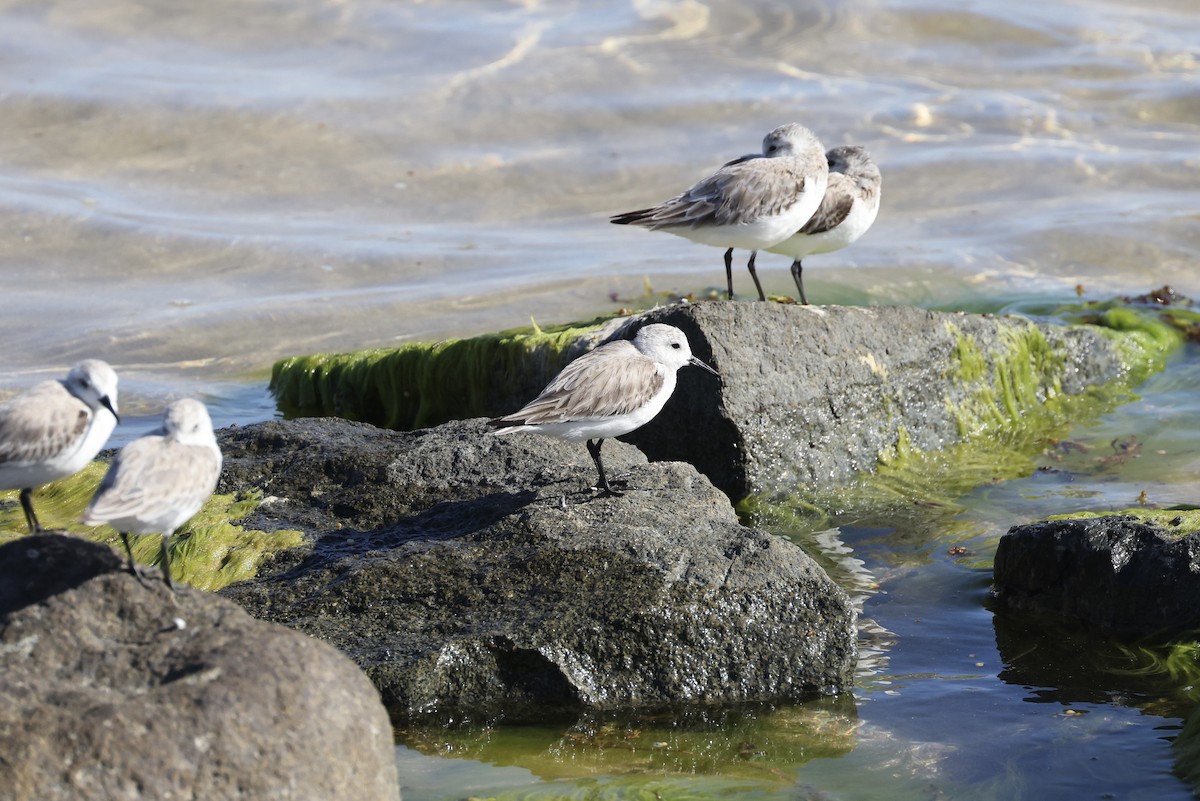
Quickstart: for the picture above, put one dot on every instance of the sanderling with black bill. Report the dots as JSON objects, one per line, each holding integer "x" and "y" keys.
{"x": 848, "y": 209}
{"x": 752, "y": 202}
{"x": 157, "y": 482}
{"x": 53, "y": 429}
{"x": 610, "y": 391}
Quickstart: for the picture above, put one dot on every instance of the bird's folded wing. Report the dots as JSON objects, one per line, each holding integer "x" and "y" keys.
{"x": 40, "y": 424}
{"x": 612, "y": 380}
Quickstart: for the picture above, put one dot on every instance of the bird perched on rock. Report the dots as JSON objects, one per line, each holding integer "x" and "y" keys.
{"x": 157, "y": 482}
{"x": 54, "y": 429}
{"x": 848, "y": 209}
{"x": 752, "y": 202}
{"x": 610, "y": 391}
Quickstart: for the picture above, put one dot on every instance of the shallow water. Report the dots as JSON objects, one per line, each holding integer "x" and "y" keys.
{"x": 192, "y": 192}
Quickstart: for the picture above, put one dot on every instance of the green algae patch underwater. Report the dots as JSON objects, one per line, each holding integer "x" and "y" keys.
{"x": 422, "y": 384}
{"x": 684, "y": 753}
{"x": 1011, "y": 410}
{"x": 208, "y": 552}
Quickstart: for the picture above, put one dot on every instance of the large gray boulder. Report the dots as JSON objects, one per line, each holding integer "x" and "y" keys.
{"x": 474, "y": 576}
{"x": 811, "y": 396}
{"x": 112, "y": 690}
{"x": 1117, "y": 575}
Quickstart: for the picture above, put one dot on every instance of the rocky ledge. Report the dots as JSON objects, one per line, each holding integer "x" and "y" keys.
{"x": 1128, "y": 576}
{"x": 809, "y": 396}
{"x": 474, "y": 576}
{"x": 114, "y": 689}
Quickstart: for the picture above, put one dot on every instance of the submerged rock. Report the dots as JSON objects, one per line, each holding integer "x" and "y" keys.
{"x": 474, "y": 576}
{"x": 810, "y": 396}
{"x": 1116, "y": 574}
{"x": 117, "y": 690}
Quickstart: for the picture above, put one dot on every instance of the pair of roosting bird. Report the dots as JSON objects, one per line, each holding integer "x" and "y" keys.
{"x": 154, "y": 484}
{"x": 792, "y": 199}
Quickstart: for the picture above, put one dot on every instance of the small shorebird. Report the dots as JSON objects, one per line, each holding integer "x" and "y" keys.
{"x": 157, "y": 482}
{"x": 752, "y": 202}
{"x": 610, "y": 391}
{"x": 848, "y": 209}
{"x": 54, "y": 429}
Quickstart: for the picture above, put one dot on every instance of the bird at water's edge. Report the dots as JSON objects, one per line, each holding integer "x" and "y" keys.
{"x": 156, "y": 483}
{"x": 752, "y": 202}
{"x": 54, "y": 429}
{"x": 614, "y": 389}
{"x": 848, "y": 209}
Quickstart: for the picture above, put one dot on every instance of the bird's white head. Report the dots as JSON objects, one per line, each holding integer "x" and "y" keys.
{"x": 188, "y": 422}
{"x": 855, "y": 163}
{"x": 667, "y": 345}
{"x": 792, "y": 139}
{"x": 94, "y": 383}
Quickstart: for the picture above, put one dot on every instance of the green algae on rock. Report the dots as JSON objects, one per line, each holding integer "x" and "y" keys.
{"x": 1010, "y": 409}
{"x": 210, "y": 552}
{"x": 422, "y": 384}
{"x": 810, "y": 397}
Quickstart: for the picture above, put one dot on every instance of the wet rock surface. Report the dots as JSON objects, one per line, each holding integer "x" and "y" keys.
{"x": 105, "y": 696}
{"x": 474, "y": 576}
{"x": 811, "y": 395}
{"x": 1117, "y": 575}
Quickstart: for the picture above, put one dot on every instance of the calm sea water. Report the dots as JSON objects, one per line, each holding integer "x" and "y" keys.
{"x": 192, "y": 191}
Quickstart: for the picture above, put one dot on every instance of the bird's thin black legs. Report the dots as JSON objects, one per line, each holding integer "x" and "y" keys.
{"x": 593, "y": 446}
{"x": 729, "y": 271}
{"x": 754, "y": 275}
{"x": 26, "y": 497}
{"x": 797, "y": 273}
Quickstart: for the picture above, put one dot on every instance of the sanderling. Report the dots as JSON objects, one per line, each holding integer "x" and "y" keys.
{"x": 752, "y": 202}
{"x": 157, "y": 482}
{"x": 612, "y": 390}
{"x": 54, "y": 429}
{"x": 848, "y": 209}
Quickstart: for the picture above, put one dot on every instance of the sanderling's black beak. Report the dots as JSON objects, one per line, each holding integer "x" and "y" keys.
{"x": 699, "y": 363}
{"x": 107, "y": 404}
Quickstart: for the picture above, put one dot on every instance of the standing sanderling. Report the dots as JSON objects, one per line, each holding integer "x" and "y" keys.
{"x": 848, "y": 209}
{"x": 612, "y": 390}
{"x": 54, "y": 429}
{"x": 157, "y": 482}
{"x": 752, "y": 202}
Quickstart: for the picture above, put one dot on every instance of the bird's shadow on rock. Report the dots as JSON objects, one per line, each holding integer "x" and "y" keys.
{"x": 40, "y": 565}
{"x": 445, "y": 521}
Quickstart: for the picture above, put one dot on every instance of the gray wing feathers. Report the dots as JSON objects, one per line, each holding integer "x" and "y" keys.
{"x": 41, "y": 423}
{"x": 151, "y": 476}
{"x": 835, "y": 206}
{"x": 611, "y": 380}
{"x": 741, "y": 192}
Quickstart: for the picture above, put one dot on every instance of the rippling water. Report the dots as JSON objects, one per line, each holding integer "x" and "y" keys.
{"x": 194, "y": 190}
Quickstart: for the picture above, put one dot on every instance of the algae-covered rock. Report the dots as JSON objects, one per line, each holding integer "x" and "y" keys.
{"x": 211, "y": 550}
{"x": 474, "y": 576}
{"x": 115, "y": 689}
{"x": 1130, "y": 576}
{"x": 809, "y": 396}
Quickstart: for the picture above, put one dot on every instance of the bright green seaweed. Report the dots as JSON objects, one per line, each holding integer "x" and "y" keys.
{"x": 210, "y": 551}
{"x": 423, "y": 384}
{"x": 1014, "y": 409}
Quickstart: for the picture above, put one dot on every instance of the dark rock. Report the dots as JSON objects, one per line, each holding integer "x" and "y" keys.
{"x": 104, "y": 696}
{"x": 478, "y": 576}
{"x": 810, "y": 396}
{"x": 1116, "y": 575}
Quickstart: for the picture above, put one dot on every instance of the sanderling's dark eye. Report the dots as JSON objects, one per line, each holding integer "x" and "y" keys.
{"x": 675, "y": 345}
